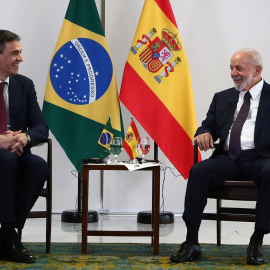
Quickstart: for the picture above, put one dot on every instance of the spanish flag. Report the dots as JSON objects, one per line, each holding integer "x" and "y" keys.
{"x": 156, "y": 86}
{"x": 131, "y": 140}
{"x": 81, "y": 87}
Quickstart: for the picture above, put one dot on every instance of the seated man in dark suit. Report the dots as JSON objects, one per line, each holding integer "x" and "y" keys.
{"x": 240, "y": 118}
{"x": 22, "y": 125}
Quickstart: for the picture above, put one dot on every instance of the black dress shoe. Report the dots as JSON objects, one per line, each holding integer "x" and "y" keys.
{"x": 255, "y": 254}
{"x": 12, "y": 248}
{"x": 187, "y": 252}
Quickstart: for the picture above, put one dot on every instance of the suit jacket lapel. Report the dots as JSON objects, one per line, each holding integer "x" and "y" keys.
{"x": 233, "y": 102}
{"x": 264, "y": 107}
{"x": 14, "y": 97}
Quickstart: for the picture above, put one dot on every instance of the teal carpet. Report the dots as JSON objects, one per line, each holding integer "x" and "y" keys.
{"x": 133, "y": 257}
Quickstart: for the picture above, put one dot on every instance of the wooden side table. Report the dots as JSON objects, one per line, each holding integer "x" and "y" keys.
{"x": 154, "y": 233}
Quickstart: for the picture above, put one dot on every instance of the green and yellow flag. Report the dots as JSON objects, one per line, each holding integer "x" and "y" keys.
{"x": 105, "y": 139}
{"x": 81, "y": 87}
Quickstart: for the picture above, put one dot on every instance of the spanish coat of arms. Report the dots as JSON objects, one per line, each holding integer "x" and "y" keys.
{"x": 158, "y": 52}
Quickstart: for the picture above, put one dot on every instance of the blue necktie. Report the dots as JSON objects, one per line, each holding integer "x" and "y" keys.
{"x": 235, "y": 146}
{"x": 3, "y": 110}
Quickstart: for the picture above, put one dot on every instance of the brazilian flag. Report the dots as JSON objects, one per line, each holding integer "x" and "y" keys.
{"x": 105, "y": 139}
{"x": 81, "y": 90}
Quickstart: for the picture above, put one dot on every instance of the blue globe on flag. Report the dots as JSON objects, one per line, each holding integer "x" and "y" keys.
{"x": 81, "y": 71}
{"x": 105, "y": 138}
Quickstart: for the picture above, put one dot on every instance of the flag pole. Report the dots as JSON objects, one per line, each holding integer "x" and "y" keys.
{"x": 71, "y": 216}
{"x": 102, "y": 18}
{"x": 155, "y": 151}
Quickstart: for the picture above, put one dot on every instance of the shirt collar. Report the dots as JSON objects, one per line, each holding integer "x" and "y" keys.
{"x": 7, "y": 80}
{"x": 255, "y": 90}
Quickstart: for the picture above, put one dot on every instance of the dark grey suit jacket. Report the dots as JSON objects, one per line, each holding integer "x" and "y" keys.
{"x": 220, "y": 116}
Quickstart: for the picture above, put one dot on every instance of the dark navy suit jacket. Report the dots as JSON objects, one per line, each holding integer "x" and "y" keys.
{"x": 18, "y": 197}
{"x": 25, "y": 113}
{"x": 220, "y": 116}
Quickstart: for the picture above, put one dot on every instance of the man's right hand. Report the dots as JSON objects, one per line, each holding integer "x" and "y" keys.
{"x": 204, "y": 141}
{"x": 9, "y": 139}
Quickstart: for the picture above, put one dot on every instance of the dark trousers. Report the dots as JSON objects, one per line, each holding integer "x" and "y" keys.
{"x": 21, "y": 181}
{"x": 207, "y": 175}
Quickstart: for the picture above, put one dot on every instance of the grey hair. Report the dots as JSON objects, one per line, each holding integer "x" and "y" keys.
{"x": 254, "y": 56}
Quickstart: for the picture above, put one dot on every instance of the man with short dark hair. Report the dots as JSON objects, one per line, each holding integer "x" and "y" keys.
{"x": 22, "y": 125}
{"x": 240, "y": 118}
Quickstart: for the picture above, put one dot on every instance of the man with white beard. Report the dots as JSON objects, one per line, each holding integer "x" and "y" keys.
{"x": 240, "y": 118}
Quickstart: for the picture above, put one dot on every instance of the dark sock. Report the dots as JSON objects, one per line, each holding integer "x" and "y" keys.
{"x": 8, "y": 232}
{"x": 192, "y": 234}
{"x": 7, "y": 226}
{"x": 257, "y": 236}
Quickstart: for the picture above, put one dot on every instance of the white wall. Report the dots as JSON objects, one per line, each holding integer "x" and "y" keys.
{"x": 211, "y": 30}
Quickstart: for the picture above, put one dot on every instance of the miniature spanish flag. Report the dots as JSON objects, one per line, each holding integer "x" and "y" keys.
{"x": 131, "y": 140}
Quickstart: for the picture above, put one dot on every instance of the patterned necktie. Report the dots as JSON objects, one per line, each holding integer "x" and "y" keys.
{"x": 234, "y": 146}
{"x": 3, "y": 111}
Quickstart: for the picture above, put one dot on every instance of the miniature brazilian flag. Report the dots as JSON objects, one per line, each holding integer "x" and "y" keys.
{"x": 105, "y": 139}
{"x": 81, "y": 86}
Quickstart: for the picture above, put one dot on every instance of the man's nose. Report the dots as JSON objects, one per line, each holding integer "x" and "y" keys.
{"x": 20, "y": 58}
{"x": 233, "y": 72}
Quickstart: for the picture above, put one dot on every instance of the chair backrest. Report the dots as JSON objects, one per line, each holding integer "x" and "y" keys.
{"x": 47, "y": 189}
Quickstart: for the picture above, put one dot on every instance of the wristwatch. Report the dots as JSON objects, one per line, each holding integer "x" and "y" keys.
{"x": 28, "y": 138}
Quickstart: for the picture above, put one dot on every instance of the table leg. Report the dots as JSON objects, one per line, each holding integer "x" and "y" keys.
{"x": 153, "y": 207}
{"x": 156, "y": 183}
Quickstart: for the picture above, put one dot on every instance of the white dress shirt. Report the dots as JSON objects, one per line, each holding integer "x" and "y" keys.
{"x": 247, "y": 134}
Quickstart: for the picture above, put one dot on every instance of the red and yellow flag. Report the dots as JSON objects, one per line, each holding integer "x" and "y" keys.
{"x": 131, "y": 140}
{"x": 156, "y": 86}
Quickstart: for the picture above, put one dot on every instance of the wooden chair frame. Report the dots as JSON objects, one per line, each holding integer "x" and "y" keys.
{"x": 231, "y": 190}
{"x": 47, "y": 194}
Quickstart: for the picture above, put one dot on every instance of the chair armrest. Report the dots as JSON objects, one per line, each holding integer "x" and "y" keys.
{"x": 48, "y": 140}
{"x": 195, "y": 152}
{"x": 49, "y": 160}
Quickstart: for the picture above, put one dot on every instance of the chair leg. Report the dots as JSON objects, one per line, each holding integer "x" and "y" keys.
{"x": 218, "y": 223}
{"x": 48, "y": 236}
{"x": 48, "y": 227}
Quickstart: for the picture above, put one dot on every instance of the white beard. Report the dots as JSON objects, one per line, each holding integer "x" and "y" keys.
{"x": 244, "y": 84}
